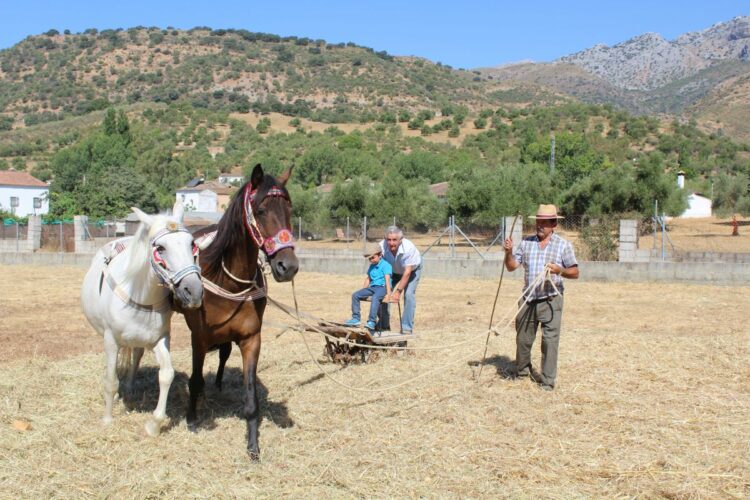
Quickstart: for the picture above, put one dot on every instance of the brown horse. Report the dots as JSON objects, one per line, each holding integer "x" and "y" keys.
{"x": 234, "y": 299}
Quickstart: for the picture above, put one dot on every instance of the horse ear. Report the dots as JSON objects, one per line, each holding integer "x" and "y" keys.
{"x": 283, "y": 178}
{"x": 256, "y": 178}
{"x": 146, "y": 219}
{"x": 178, "y": 211}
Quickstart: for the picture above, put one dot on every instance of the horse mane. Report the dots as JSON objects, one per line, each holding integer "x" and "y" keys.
{"x": 231, "y": 228}
{"x": 138, "y": 250}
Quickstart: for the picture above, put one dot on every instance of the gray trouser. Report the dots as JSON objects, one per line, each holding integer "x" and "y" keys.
{"x": 548, "y": 312}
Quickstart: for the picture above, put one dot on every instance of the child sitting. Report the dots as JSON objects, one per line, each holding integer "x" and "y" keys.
{"x": 377, "y": 286}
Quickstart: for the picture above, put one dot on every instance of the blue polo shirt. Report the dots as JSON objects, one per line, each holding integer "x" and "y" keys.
{"x": 377, "y": 272}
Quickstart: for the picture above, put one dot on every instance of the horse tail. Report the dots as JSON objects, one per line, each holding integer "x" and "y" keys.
{"x": 124, "y": 361}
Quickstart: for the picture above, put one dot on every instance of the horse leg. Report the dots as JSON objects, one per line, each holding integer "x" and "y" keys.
{"x": 224, "y": 351}
{"x": 166, "y": 376}
{"x": 133, "y": 369}
{"x": 110, "y": 380}
{"x": 250, "y": 352}
{"x": 195, "y": 386}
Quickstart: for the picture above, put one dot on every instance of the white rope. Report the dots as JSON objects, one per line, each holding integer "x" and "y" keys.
{"x": 235, "y": 278}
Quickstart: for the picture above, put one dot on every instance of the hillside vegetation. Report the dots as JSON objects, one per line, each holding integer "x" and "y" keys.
{"x": 120, "y": 118}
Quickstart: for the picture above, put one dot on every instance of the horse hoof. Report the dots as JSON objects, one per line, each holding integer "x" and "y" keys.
{"x": 254, "y": 455}
{"x": 193, "y": 427}
{"x": 152, "y": 428}
{"x": 107, "y": 420}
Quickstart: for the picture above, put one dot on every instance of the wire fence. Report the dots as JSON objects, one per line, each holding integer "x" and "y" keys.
{"x": 594, "y": 238}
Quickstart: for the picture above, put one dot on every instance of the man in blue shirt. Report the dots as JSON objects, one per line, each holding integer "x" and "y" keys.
{"x": 377, "y": 285}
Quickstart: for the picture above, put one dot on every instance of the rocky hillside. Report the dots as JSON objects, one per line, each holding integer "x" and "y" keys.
{"x": 648, "y": 61}
{"x": 699, "y": 75}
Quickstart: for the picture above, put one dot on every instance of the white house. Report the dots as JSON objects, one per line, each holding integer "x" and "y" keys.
{"x": 231, "y": 178}
{"x": 23, "y": 194}
{"x": 199, "y": 196}
{"x": 698, "y": 205}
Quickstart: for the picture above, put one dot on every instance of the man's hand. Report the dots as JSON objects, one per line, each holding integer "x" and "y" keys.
{"x": 554, "y": 268}
{"x": 508, "y": 245}
{"x": 395, "y": 295}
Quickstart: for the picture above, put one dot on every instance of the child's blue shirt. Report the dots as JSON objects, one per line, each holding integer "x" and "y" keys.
{"x": 377, "y": 272}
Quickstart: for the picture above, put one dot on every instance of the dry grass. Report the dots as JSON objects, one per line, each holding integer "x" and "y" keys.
{"x": 652, "y": 400}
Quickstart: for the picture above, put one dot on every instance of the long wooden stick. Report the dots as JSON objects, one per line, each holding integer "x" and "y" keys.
{"x": 494, "y": 304}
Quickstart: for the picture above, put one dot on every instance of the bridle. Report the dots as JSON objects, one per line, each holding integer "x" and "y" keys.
{"x": 167, "y": 277}
{"x": 273, "y": 244}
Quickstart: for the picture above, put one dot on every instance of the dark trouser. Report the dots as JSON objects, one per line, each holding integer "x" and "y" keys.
{"x": 376, "y": 292}
{"x": 549, "y": 314}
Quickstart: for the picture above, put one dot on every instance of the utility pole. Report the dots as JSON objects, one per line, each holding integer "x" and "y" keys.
{"x": 552, "y": 154}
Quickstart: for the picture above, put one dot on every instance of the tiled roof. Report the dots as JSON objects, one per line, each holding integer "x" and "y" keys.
{"x": 14, "y": 178}
{"x": 214, "y": 186}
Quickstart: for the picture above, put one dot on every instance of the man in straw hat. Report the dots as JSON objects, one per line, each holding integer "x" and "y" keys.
{"x": 549, "y": 254}
{"x": 377, "y": 285}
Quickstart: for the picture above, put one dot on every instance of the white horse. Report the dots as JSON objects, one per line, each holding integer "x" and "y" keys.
{"x": 126, "y": 296}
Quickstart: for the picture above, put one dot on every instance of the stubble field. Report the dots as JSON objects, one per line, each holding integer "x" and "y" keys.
{"x": 652, "y": 400}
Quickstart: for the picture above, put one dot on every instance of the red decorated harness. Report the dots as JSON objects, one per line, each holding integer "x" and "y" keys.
{"x": 272, "y": 244}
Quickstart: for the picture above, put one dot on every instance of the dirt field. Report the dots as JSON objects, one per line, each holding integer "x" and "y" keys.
{"x": 652, "y": 401}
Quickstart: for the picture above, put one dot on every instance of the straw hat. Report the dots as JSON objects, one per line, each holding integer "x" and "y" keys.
{"x": 372, "y": 249}
{"x": 546, "y": 212}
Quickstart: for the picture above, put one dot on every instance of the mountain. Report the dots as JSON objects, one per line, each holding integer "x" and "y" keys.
{"x": 694, "y": 75}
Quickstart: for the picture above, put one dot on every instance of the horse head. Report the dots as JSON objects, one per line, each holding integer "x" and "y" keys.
{"x": 173, "y": 255}
{"x": 268, "y": 213}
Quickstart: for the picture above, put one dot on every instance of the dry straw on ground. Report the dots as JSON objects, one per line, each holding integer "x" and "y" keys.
{"x": 652, "y": 401}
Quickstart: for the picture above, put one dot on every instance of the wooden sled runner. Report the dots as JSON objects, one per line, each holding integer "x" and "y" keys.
{"x": 343, "y": 352}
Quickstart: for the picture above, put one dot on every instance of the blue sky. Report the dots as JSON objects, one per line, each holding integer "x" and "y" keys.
{"x": 461, "y": 33}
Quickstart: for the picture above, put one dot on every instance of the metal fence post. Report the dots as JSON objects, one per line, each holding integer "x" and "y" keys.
{"x": 62, "y": 248}
{"x": 364, "y": 234}
{"x": 18, "y": 237}
{"x": 299, "y": 231}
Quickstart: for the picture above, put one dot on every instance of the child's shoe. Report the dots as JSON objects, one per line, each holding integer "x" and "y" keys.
{"x": 352, "y": 322}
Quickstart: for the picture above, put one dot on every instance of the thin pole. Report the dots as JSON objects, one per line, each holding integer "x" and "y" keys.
{"x": 299, "y": 230}
{"x": 348, "y": 242}
{"x": 470, "y": 242}
{"x": 18, "y": 236}
{"x": 656, "y": 217}
{"x": 494, "y": 304}
{"x": 436, "y": 240}
{"x": 662, "y": 237}
{"x": 62, "y": 249}
{"x": 364, "y": 234}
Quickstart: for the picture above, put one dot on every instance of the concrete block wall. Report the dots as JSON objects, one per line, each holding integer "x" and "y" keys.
{"x": 628, "y": 241}
{"x": 31, "y": 243}
{"x": 83, "y": 241}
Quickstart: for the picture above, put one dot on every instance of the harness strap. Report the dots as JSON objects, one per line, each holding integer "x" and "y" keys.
{"x": 249, "y": 294}
{"x": 123, "y": 296}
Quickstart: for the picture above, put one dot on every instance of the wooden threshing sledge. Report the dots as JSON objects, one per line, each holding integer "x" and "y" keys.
{"x": 344, "y": 352}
